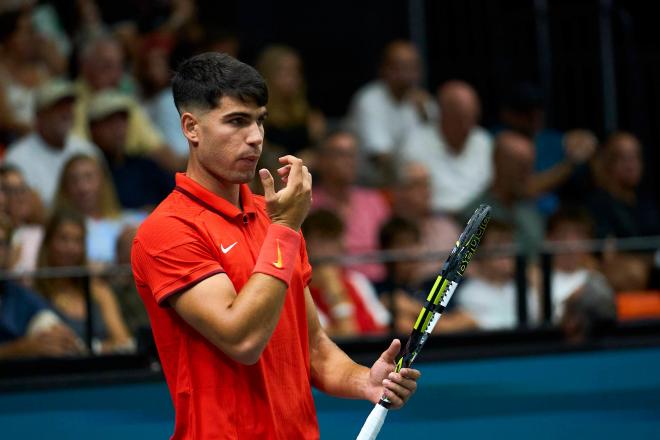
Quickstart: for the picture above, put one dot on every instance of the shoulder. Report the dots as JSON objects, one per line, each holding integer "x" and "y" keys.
{"x": 78, "y": 144}
{"x": 19, "y": 294}
{"x": 21, "y": 147}
{"x": 371, "y": 92}
{"x": 174, "y": 222}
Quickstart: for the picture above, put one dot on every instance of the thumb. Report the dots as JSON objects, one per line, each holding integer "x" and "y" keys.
{"x": 389, "y": 355}
{"x": 268, "y": 183}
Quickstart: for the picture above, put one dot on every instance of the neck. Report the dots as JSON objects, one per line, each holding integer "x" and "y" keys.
{"x": 226, "y": 190}
{"x": 54, "y": 143}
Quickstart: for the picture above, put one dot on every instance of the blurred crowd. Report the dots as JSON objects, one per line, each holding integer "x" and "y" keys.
{"x": 90, "y": 142}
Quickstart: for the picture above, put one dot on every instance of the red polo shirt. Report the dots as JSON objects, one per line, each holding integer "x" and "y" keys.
{"x": 193, "y": 235}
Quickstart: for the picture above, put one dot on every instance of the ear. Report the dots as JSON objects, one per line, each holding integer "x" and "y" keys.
{"x": 190, "y": 127}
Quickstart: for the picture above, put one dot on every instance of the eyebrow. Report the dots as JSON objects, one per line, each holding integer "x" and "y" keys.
{"x": 245, "y": 115}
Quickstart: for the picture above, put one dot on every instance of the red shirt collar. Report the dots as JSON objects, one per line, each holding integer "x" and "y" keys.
{"x": 214, "y": 202}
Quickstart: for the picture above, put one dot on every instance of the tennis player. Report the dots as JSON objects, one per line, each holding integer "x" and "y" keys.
{"x": 224, "y": 277}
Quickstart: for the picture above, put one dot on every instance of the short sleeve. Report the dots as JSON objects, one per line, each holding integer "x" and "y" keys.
{"x": 174, "y": 269}
{"x": 304, "y": 260}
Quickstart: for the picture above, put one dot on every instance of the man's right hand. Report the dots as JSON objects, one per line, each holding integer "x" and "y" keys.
{"x": 57, "y": 341}
{"x": 288, "y": 206}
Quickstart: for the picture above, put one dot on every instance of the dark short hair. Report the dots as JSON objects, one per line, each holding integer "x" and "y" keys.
{"x": 202, "y": 81}
{"x": 571, "y": 213}
{"x": 325, "y": 223}
{"x": 394, "y": 228}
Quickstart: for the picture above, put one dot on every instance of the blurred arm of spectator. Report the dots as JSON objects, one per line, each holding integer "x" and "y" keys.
{"x": 579, "y": 147}
{"x": 119, "y": 339}
{"x": 57, "y": 341}
{"x": 327, "y": 279}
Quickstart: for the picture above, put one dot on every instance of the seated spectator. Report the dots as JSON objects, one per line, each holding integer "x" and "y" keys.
{"x": 123, "y": 284}
{"x": 139, "y": 181}
{"x": 102, "y": 68}
{"x": 22, "y": 67}
{"x": 572, "y": 267}
{"x": 361, "y": 210}
{"x": 86, "y": 189}
{"x": 41, "y": 154}
{"x": 293, "y": 126}
{"x": 507, "y": 195}
{"x": 560, "y": 167}
{"x": 28, "y": 326}
{"x": 412, "y": 201}
{"x": 385, "y": 110}
{"x": 403, "y": 291}
{"x": 64, "y": 246}
{"x": 489, "y": 296}
{"x": 26, "y": 213}
{"x": 153, "y": 71}
{"x": 455, "y": 147}
{"x": 346, "y": 300}
{"x": 589, "y": 310}
{"x": 621, "y": 209}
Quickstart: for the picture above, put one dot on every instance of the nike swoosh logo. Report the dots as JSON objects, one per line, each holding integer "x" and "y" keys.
{"x": 279, "y": 263}
{"x": 228, "y": 248}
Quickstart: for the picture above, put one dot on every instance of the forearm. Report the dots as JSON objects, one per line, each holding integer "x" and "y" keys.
{"x": 334, "y": 373}
{"x": 550, "y": 179}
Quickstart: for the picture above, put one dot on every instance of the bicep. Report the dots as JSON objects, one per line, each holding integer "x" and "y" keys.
{"x": 202, "y": 306}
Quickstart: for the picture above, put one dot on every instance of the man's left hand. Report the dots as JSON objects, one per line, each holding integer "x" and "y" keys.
{"x": 383, "y": 381}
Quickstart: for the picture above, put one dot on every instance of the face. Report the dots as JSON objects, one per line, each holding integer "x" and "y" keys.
{"x": 626, "y": 162}
{"x": 56, "y": 122}
{"x": 321, "y": 246}
{"x": 402, "y": 68}
{"x": 340, "y": 160}
{"x": 497, "y": 269}
{"x": 405, "y": 242}
{"x": 157, "y": 70}
{"x": 17, "y": 197}
{"x": 104, "y": 69}
{"x": 109, "y": 133}
{"x": 569, "y": 232}
{"x": 67, "y": 245}
{"x": 414, "y": 194}
{"x": 514, "y": 162}
{"x": 287, "y": 77}
{"x": 227, "y": 140}
{"x": 82, "y": 183}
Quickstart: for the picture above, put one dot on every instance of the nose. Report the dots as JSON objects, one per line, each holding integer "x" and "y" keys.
{"x": 255, "y": 136}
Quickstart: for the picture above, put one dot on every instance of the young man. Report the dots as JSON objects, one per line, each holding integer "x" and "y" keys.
{"x": 224, "y": 276}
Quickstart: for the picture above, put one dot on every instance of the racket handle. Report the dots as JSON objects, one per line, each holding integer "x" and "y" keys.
{"x": 374, "y": 422}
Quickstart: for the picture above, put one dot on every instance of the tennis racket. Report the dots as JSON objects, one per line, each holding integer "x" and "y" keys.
{"x": 451, "y": 274}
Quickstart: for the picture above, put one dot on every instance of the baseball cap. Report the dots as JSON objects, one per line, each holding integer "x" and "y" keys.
{"x": 107, "y": 103}
{"x": 52, "y": 92}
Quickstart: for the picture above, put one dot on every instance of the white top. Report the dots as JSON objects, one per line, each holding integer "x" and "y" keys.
{"x": 456, "y": 178}
{"x": 564, "y": 284}
{"x": 380, "y": 122}
{"x": 494, "y": 307}
{"x": 42, "y": 164}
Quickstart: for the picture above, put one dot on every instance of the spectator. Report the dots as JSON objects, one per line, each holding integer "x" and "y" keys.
{"x": 621, "y": 209}
{"x": 589, "y": 311}
{"x": 123, "y": 284}
{"x": 86, "y": 189}
{"x": 26, "y": 213}
{"x": 22, "y": 67}
{"x": 403, "y": 290}
{"x": 569, "y": 226}
{"x": 456, "y": 147}
{"x": 153, "y": 71}
{"x": 489, "y": 297}
{"x": 140, "y": 182}
{"x": 64, "y": 246}
{"x": 347, "y": 302}
{"x": 41, "y": 155}
{"x": 292, "y": 124}
{"x": 507, "y": 195}
{"x": 412, "y": 201}
{"x": 385, "y": 110}
{"x": 28, "y": 327}
{"x": 10, "y": 127}
{"x": 362, "y": 210}
{"x": 560, "y": 169}
{"x": 102, "y": 68}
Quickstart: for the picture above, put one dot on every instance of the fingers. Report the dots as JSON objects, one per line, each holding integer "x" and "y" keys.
{"x": 268, "y": 183}
{"x": 389, "y": 355}
{"x": 295, "y": 175}
{"x": 400, "y": 386}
